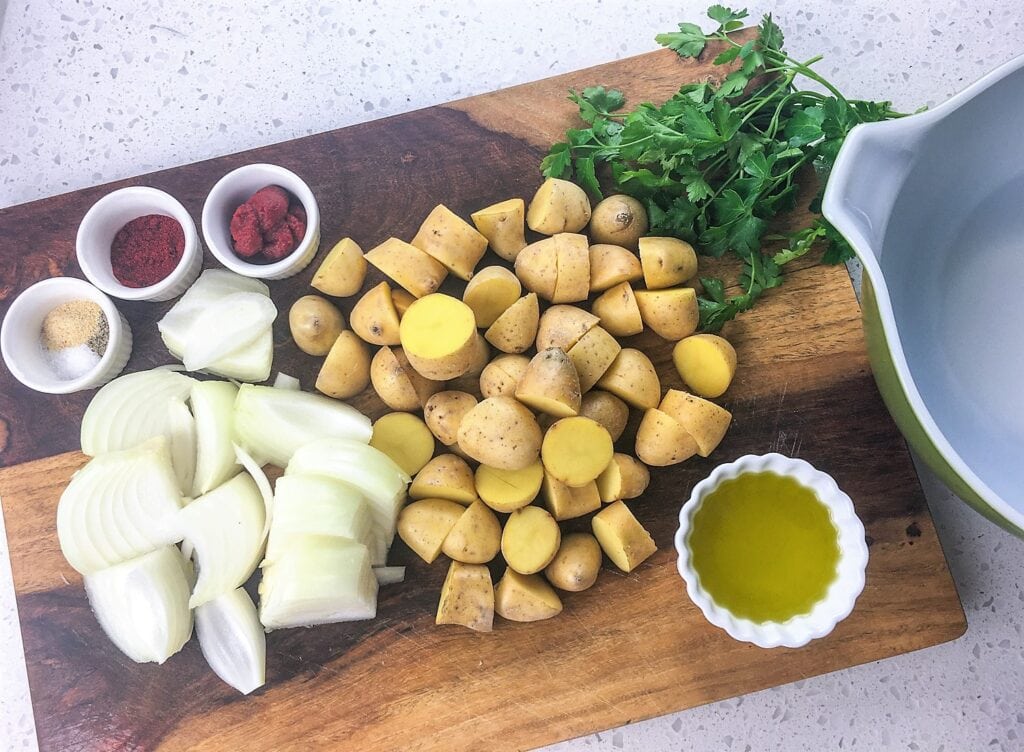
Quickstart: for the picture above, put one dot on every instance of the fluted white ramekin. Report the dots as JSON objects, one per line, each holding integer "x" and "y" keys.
{"x": 19, "y": 336}
{"x": 841, "y": 594}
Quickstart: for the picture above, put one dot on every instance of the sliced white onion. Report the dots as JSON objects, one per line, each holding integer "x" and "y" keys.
{"x": 285, "y": 381}
{"x": 209, "y": 287}
{"x": 272, "y": 423}
{"x": 182, "y": 427}
{"x": 120, "y": 505}
{"x": 308, "y": 504}
{"x": 260, "y": 478}
{"x": 225, "y": 527}
{"x": 389, "y": 575}
{"x": 252, "y": 363}
{"x": 372, "y": 472}
{"x": 227, "y": 326}
{"x": 320, "y": 581}
{"x": 213, "y": 404}
{"x": 232, "y": 640}
{"x": 131, "y": 409}
{"x": 142, "y": 604}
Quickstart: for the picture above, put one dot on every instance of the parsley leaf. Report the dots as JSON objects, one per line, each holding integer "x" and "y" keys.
{"x": 689, "y": 41}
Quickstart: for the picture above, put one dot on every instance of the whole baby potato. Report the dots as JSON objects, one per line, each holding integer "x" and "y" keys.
{"x": 315, "y": 324}
{"x": 618, "y": 220}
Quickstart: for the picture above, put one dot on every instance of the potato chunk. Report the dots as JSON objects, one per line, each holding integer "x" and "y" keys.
{"x": 447, "y": 476}
{"x": 606, "y": 409}
{"x": 661, "y": 440}
{"x": 490, "y": 293}
{"x": 500, "y": 432}
{"x": 617, "y": 307}
{"x": 530, "y": 539}
{"x": 405, "y": 439}
{"x": 623, "y": 539}
{"x": 592, "y": 355}
{"x": 572, "y": 263}
{"x": 467, "y": 597}
{"x": 558, "y": 206}
{"x": 577, "y": 563}
{"x": 671, "y": 314}
{"x": 476, "y": 537}
{"x": 666, "y": 262}
{"x": 503, "y": 224}
{"x": 423, "y": 525}
{"x": 620, "y": 220}
{"x": 438, "y": 335}
{"x": 537, "y": 267}
{"x": 342, "y": 271}
{"x": 566, "y": 503}
{"x": 508, "y": 490}
{"x": 502, "y": 375}
{"x": 705, "y": 421}
{"x": 411, "y": 268}
{"x": 633, "y": 378}
{"x": 397, "y": 383}
{"x": 611, "y": 265}
{"x": 562, "y": 326}
{"x": 525, "y": 597}
{"x": 315, "y": 324}
{"x": 706, "y": 362}
{"x": 624, "y": 478}
{"x": 576, "y": 450}
{"x": 346, "y": 370}
{"x": 450, "y": 239}
{"x": 550, "y": 384}
{"x": 515, "y": 329}
{"x": 444, "y": 412}
{"x": 374, "y": 317}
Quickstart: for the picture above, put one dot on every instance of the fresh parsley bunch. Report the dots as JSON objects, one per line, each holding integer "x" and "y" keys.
{"x": 715, "y": 163}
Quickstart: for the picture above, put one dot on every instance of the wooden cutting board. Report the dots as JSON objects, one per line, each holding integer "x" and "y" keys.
{"x": 632, "y": 647}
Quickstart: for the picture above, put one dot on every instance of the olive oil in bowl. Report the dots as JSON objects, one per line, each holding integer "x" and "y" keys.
{"x": 764, "y": 547}
{"x": 771, "y": 550}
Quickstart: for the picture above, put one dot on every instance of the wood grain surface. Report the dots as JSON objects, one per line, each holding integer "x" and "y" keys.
{"x": 632, "y": 647}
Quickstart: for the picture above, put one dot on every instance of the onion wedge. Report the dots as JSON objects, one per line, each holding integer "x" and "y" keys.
{"x": 232, "y": 640}
{"x": 272, "y": 423}
{"x": 311, "y": 505}
{"x": 225, "y": 528}
{"x": 319, "y": 580}
{"x": 389, "y": 575}
{"x": 131, "y": 409}
{"x": 229, "y": 325}
{"x": 142, "y": 604}
{"x": 182, "y": 427}
{"x": 369, "y": 470}
{"x": 286, "y": 381}
{"x": 119, "y": 506}
{"x": 213, "y": 404}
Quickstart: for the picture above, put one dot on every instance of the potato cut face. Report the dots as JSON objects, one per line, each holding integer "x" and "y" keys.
{"x": 509, "y": 490}
{"x": 706, "y": 362}
{"x": 576, "y": 450}
{"x": 530, "y": 539}
{"x": 404, "y": 438}
{"x": 436, "y": 326}
{"x": 490, "y": 293}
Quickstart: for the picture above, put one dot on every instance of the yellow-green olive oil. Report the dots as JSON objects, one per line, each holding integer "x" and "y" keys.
{"x": 764, "y": 547}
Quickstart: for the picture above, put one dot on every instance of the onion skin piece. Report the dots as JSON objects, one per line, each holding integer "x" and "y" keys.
{"x": 142, "y": 604}
{"x": 119, "y": 506}
{"x": 131, "y": 409}
{"x": 271, "y": 424}
{"x": 233, "y": 641}
{"x": 225, "y": 527}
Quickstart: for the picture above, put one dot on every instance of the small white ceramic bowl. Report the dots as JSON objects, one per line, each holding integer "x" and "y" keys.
{"x": 23, "y": 353}
{"x": 841, "y": 594}
{"x": 233, "y": 190}
{"x": 112, "y": 212}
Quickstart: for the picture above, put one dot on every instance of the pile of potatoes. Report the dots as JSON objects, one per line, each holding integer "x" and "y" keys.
{"x": 538, "y": 419}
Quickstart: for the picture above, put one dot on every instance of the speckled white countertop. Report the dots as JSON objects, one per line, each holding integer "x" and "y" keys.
{"x": 92, "y": 91}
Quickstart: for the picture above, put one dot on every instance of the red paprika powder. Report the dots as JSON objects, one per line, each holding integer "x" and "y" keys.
{"x": 146, "y": 250}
